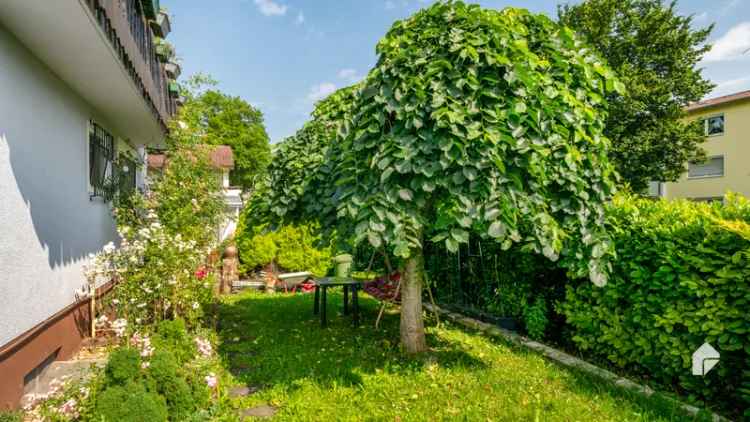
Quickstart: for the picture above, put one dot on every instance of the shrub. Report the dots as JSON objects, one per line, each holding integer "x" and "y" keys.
{"x": 172, "y": 335}
{"x": 292, "y": 247}
{"x": 680, "y": 279}
{"x": 297, "y": 251}
{"x": 255, "y": 249}
{"x": 124, "y": 365}
{"x": 535, "y": 319}
{"x": 130, "y": 403}
{"x": 166, "y": 379}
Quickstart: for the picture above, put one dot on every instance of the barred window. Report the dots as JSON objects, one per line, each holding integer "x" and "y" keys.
{"x": 101, "y": 157}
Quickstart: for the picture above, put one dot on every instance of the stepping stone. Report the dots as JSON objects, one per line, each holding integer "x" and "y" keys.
{"x": 243, "y": 391}
{"x": 262, "y": 411}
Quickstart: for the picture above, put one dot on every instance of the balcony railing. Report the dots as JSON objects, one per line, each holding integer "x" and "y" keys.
{"x": 125, "y": 25}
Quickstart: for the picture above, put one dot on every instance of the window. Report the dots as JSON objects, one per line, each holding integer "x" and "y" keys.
{"x": 101, "y": 156}
{"x": 714, "y": 125}
{"x": 713, "y": 167}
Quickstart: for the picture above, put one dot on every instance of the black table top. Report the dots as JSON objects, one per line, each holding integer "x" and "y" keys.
{"x": 337, "y": 281}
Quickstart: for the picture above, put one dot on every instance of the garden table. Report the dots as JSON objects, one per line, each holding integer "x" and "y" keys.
{"x": 349, "y": 284}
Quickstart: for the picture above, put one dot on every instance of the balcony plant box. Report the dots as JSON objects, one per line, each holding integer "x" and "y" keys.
{"x": 150, "y": 8}
{"x": 164, "y": 50}
{"x": 162, "y": 25}
{"x": 173, "y": 69}
{"x": 174, "y": 89}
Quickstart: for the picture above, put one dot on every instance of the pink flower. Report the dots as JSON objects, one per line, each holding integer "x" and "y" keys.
{"x": 201, "y": 273}
{"x": 211, "y": 380}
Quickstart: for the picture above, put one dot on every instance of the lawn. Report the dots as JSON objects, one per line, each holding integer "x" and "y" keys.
{"x": 345, "y": 373}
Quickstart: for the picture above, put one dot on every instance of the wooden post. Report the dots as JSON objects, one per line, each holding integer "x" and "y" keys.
{"x": 229, "y": 269}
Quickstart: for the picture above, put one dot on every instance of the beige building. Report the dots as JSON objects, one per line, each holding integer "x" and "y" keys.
{"x": 726, "y": 123}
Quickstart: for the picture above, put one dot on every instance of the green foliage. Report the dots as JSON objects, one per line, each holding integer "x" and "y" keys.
{"x": 535, "y": 319}
{"x": 256, "y": 247}
{"x": 291, "y": 247}
{"x": 11, "y": 416}
{"x": 681, "y": 279}
{"x": 172, "y": 335}
{"x": 167, "y": 236}
{"x": 472, "y": 119}
{"x": 123, "y": 366}
{"x": 220, "y": 119}
{"x": 656, "y": 52}
{"x": 297, "y": 251}
{"x": 165, "y": 377}
{"x": 130, "y": 403}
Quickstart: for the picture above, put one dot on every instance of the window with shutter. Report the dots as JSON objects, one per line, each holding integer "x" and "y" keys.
{"x": 712, "y": 167}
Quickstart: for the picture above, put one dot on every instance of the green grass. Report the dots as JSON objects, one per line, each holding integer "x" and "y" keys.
{"x": 346, "y": 373}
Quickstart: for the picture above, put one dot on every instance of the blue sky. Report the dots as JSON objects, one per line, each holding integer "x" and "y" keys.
{"x": 282, "y": 55}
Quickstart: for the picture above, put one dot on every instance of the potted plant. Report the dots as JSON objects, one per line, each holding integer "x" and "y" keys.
{"x": 164, "y": 50}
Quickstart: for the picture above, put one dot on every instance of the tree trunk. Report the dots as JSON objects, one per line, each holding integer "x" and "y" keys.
{"x": 412, "y": 325}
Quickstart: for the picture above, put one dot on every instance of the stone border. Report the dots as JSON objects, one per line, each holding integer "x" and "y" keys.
{"x": 567, "y": 360}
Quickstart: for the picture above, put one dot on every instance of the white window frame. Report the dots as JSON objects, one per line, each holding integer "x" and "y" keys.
{"x": 710, "y": 176}
{"x": 705, "y": 125}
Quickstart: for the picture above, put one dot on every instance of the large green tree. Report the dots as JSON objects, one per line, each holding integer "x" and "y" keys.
{"x": 221, "y": 119}
{"x": 655, "y": 52}
{"x": 472, "y": 120}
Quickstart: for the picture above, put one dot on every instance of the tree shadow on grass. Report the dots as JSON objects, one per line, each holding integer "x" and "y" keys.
{"x": 276, "y": 340}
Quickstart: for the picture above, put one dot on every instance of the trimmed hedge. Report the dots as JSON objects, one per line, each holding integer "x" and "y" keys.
{"x": 291, "y": 247}
{"x": 681, "y": 278}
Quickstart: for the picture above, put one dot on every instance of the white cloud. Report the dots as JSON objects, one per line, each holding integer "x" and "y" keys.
{"x": 731, "y": 45}
{"x": 731, "y": 86}
{"x": 320, "y": 91}
{"x": 300, "y": 18}
{"x": 271, "y": 8}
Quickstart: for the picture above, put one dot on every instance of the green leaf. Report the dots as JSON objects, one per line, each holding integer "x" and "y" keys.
{"x": 497, "y": 230}
{"x": 405, "y": 194}
{"x": 460, "y": 235}
{"x": 374, "y": 239}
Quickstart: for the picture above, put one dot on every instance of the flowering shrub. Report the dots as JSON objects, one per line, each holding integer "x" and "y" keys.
{"x": 160, "y": 265}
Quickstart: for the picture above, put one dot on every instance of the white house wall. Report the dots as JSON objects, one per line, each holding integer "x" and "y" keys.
{"x": 48, "y": 225}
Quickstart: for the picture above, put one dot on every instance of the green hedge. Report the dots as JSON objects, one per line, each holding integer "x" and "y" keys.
{"x": 681, "y": 278}
{"x": 292, "y": 248}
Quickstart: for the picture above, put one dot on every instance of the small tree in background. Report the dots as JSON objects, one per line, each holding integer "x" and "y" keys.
{"x": 220, "y": 119}
{"x": 655, "y": 52}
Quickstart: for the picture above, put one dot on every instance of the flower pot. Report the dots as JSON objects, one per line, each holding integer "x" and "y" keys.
{"x": 343, "y": 265}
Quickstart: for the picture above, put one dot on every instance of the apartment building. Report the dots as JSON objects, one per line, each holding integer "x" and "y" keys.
{"x": 84, "y": 90}
{"x": 726, "y": 122}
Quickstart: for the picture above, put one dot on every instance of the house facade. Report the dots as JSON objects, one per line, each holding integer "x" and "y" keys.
{"x": 726, "y": 123}
{"x": 83, "y": 93}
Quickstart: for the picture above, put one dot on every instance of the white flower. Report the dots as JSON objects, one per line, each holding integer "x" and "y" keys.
{"x": 196, "y": 305}
{"x": 145, "y": 365}
{"x": 109, "y": 248}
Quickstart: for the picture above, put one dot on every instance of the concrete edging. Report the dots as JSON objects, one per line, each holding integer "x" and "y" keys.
{"x": 567, "y": 360}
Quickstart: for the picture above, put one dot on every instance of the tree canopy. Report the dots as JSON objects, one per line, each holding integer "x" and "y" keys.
{"x": 472, "y": 120}
{"x": 656, "y": 53}
{"x": 221, "y": 119}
